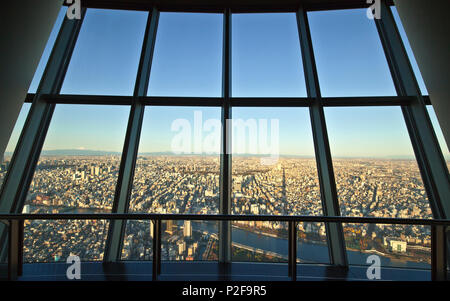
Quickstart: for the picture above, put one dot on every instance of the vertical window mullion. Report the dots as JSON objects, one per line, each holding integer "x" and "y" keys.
{"x": 113, "y": 246}
{"x": 225, "y": 151}
{"x": 328, "y": 192}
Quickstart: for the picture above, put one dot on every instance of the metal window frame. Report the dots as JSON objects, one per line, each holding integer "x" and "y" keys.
{"x": 225, "y": 255}
{"x": 328, "y": 192}
{"x": 428, "y": 153}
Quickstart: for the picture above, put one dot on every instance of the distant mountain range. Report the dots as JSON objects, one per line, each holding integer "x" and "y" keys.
{"x": 77, "y": 152}
{"x": 86, "y": 152}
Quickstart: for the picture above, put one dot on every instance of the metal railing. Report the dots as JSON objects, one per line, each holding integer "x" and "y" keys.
{"x": 16, "y": 227}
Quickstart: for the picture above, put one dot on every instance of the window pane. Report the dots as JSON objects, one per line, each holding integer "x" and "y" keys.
{"x": 106, "y": 56}
{"x": 54, "y": 241}
{"x": 409, "y": 51}
{"x": 12, "y": 143}
{"x": 274, "y": 173}
{"x": 377, "y": 176}
{"x": 138, "y": 241}
{"x": 48, "y": 49}
{"x": 266, "y": 57}
{"x": 403, "y": 246}
{"x": 439, "y": 135}
{"x": 189, "y": 240}
{"x": 312, "y": 243}
{"x": 349, "y": 56}
{"x": 76, "y": 173}
{"x": 188, "y": 55}
{"x": 259, "y": 241}
{"x": 177, "y": 171}
{"x": 274, "y": 166}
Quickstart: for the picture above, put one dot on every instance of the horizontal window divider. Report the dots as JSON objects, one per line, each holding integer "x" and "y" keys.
{"x": 227, "y": 217}
{"x": 88, "y": 99}
{"x": 314, "y": 5}
{"x": 366, "y": 101}
{"x": 271, "y": 101}
{"x": 181, "y": 101}
{"x": 235, "y": 101}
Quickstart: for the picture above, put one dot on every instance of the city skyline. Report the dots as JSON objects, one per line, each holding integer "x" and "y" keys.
{"x": 166, "y": 185}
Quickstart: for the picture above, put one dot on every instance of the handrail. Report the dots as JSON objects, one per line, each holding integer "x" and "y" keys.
{"x": 16, "y": 225}
{"x": 226, "y": 217}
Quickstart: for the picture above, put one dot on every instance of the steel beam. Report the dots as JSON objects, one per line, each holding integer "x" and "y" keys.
{"x": 235, "y": 101}
{"x": 330, "y": 204}
{"x": 156, "y": 249}
{"x": 426, "y": 147}
{"x": 114, "y": 242}
{"x": 438, "y": 253}
{"x": 292, "y": 258}
{"x": 225, "y": 151}
{"x": 15, "y": 247}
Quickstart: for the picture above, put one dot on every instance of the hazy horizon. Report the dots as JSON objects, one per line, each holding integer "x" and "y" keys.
{"x": 98, "y": 153}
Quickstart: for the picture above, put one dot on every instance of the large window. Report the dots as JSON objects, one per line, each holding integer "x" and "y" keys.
{"x": 154, "y": 145}
{"x": 377, "y": 175}
{"x": 106, "y": 57}
{"x": 266, "y": 57}
{"x": 76, "y": 173}
{"x": 349, "y": 55}
{"x": 177, "y": 171}
{"x": 274, "y": 173}
{"x": 188, "y": 55}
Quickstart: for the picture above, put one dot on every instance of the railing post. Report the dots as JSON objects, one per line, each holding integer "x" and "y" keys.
{"x": 156, "y": 249}
{"x": 225, "y": 150}
{"x": 15, "y": 254}
{"x": 292, "y": 260}
{"x": 438, "y": 253}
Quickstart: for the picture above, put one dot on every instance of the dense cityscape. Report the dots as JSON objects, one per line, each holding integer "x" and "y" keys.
{"x": 190, "y": 184}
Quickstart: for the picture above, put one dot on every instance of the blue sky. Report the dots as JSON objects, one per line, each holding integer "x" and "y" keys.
{"x": 266, "y": 61}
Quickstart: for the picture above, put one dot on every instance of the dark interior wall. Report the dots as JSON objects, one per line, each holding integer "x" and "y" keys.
{"x": 25, "y": 26}
{"x": 427, "y": 26}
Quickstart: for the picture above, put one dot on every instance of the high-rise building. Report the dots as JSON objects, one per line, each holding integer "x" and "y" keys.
{"x": 187, "y": 230}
